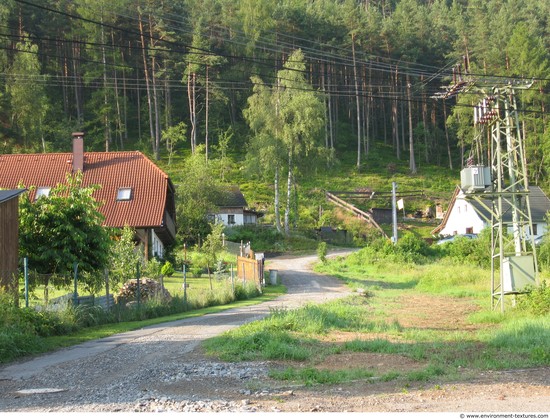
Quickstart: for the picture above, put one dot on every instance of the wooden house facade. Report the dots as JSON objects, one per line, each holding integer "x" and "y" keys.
{"x": 9, "y": 239}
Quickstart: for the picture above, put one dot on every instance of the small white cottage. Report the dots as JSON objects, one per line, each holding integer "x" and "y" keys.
{"x": 462, "y": 216}
{"x": 234, "y": 211}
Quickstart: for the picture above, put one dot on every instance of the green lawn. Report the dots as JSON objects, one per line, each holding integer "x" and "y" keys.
{"x": 173, "y": 284}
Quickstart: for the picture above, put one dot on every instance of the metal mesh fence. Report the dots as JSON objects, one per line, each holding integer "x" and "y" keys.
{"x": 232, "y": 247}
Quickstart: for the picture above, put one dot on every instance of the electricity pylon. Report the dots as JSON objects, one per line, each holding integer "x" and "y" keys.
{"x": 508, "y": 192}
{"x": 500, "y": 186}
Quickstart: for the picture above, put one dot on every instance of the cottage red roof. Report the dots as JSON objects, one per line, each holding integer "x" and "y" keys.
{"x": 109, "y": 170}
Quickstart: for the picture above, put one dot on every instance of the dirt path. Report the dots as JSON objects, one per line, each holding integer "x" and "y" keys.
{"x": 162, "y": 368}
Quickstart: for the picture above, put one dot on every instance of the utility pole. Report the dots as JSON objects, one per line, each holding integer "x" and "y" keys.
{"x": 394, "y": 211}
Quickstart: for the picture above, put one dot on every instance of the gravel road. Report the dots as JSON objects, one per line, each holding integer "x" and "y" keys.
{"x": 163, "y": 369}
{"x": 156, "y": 368}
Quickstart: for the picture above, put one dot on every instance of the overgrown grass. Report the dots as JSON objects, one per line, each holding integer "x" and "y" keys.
{"x": 516, "y": 339}
{"x": 268, "y": 239}
{"x": 289, "y": 334}
{"x": 26, "y": 331}
{"x": 311, "y": 376}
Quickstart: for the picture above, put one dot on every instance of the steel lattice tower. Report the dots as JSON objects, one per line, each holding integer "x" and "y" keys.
{"x": 508, "y": 191}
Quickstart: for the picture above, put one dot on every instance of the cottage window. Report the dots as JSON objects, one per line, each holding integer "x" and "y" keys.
{"x": 124, "y": 194}
{"x": 42, "y": 191}
{"x": 231, "y": 219}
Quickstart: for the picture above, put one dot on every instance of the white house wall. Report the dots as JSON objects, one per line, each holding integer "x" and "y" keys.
{"x": 157, "y": 245}
{"x": 540, "y": 229}
{"x": 224, "y": 218}
{"x": 463, "y": 219}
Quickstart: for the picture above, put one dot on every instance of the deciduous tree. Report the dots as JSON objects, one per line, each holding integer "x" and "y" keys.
{"x": 198, "y": 193}
{"x": 62, "y": 229}
{"x": 288, "y": 120}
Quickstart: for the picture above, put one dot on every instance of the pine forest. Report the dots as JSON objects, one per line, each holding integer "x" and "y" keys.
{"x": 284, "y": 84}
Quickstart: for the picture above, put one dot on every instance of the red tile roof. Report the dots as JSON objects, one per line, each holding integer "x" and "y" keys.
{"x": 112, "y": 170}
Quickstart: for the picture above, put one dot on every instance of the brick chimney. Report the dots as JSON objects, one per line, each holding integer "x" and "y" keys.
{"x": 78, "y": 151}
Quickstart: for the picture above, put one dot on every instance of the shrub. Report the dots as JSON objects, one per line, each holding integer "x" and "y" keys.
{"x": 412, "y": 248}
{"x": 167, "y": 269}
{"x": 363, "y": 233}
{"x": 409, "y": 249}
{"x": 20, "y": 324}
{"x": 152, "y": 268}
{"x": 469, "y": 251}
{"x": 543, "y": 255}
{"x": 322, "y": 251}
{"x": 536, "y": 301}
{"x": 246, "y": 291}
{"x": 15, "y": 343}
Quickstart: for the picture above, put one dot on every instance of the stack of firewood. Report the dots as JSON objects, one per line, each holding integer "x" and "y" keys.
{"x": 148, "y": 289}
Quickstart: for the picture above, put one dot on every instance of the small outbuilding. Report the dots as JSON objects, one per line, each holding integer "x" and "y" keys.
{"x": 233, "y": 209}
{"x": 9, "y": 239}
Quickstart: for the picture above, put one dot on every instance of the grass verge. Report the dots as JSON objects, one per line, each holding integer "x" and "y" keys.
{"x": 39, "y": 344}
{"x": 383, "y": 319}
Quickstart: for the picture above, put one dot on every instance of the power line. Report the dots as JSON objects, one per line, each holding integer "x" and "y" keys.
{"x": 317, "y": 56}
{"x": 203, "y": 52}
{"x": 139, "y": 84}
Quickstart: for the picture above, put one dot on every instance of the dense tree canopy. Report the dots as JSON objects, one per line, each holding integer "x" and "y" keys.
{"x": 125, "y": 72}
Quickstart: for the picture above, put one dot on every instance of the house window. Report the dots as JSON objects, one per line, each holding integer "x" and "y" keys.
{"x": 124, "y": 194}
{"x": 42, "y": 191}
{"x": 469, "y": 230}
{"x": 535, "y": 229}
{"x": 231, "y": 219}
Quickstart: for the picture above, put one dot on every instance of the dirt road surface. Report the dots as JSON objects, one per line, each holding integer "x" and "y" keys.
{"x": 163, "y": 369}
